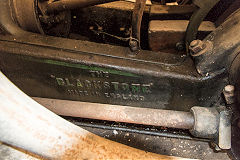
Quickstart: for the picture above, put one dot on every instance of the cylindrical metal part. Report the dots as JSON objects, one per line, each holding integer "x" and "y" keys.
{"x": 228, "y": 93}
{"x": 27, "y": 125}
{"x": 146, "y": 116}
{"x": 26, "y": 15}
{"x": 206, "y": 122}
{"x": 136, "y": 25}
{"x": 137, "y": 18}
{"x": 224, "y": 138}
{"x": 63, "y": 5}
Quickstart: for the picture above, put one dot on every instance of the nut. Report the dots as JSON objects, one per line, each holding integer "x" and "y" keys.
{"x": 229, "y": 89}
{"x": 180, "y": 46}
{"x": 133, "y": 45}
{"x": 196, "y": 47}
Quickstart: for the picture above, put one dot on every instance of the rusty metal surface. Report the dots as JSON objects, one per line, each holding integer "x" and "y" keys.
{"x": 30, "y": 15}
{"x": 51, "y": 136}
{"x": 135, "y": 128}
{"x": 197, "y": 17}
{"x": 112, "y": 18}
{"x": 146, "y": 116}
{"x": 220, "y": 51}
{"x": 162, "y": 145}
{"x": 63, "y": 5}
{"x": 137, "y": 18}
{"x": 157, "y": 10}
{"x": 174, "y": 78}
{"x": 157, "y": 144}
{"x": 10, "y": 153}
{"x": 175, "y": 86}
{"x": 206, "y": 122}
{"x": 8, "y": 26}
{"x": 170, "y": 73}
{"x": 25, "y": 13}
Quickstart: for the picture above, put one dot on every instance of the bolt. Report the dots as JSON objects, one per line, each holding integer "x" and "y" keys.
{"x": 196, "y": 47}
{"x": 91, "y": 28}
{"x": 133, "y": 45}
{"x": 228, "y": 93}
{"x": 229, "y": 89}
{"x": 194, "y": 43}
{"x": 180, "y": 46}
{"x": 122, "y": 29}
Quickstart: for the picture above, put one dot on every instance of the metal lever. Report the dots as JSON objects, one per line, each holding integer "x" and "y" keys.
{"x": 137, "y": 14}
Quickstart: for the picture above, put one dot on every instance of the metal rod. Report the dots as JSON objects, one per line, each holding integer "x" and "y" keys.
{"x": 138, "y": 131}
{"x": 27, "y": 125}
{"x": 63, "y": 5}
{"x": 136, "y": 25}
{"x": 146, "y": 116}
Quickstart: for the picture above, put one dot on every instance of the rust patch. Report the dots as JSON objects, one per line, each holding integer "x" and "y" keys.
{"x": 95, "y": 147}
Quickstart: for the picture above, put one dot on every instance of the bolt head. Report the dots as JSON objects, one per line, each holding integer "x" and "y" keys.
{"x": 133, "y": 43}
{"x": 196, "y": 46}
{"x": 229, "y": 89}
{"x": 194, "y": 43}
{"x": 180, "y": 46}
{"x": 133, "y": 46}
{"x": 122, "y": 29}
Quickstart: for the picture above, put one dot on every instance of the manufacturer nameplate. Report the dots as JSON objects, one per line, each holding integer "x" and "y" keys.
{"x": 104, "y": 88}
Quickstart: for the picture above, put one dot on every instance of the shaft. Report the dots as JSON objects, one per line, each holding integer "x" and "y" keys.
{"x": 146, "y": 116}
{"x": 62, "y": 5}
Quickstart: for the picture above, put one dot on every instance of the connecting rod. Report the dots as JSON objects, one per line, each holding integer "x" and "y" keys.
{"x": 146, "y": 116}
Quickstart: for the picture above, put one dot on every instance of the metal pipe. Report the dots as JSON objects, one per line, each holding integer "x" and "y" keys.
{"x": 27, "y": 125}
{"x": 63, "y": 5}
{"x": 196, "y": 19}
{"x": 146, "y": 116}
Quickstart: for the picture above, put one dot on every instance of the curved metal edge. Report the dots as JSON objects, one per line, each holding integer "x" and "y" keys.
{"x": 7, "y": 23}
{"x": 26, "y": 15}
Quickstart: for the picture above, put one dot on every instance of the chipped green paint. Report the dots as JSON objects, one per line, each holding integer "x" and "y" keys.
{"x": 85, "y": 67}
